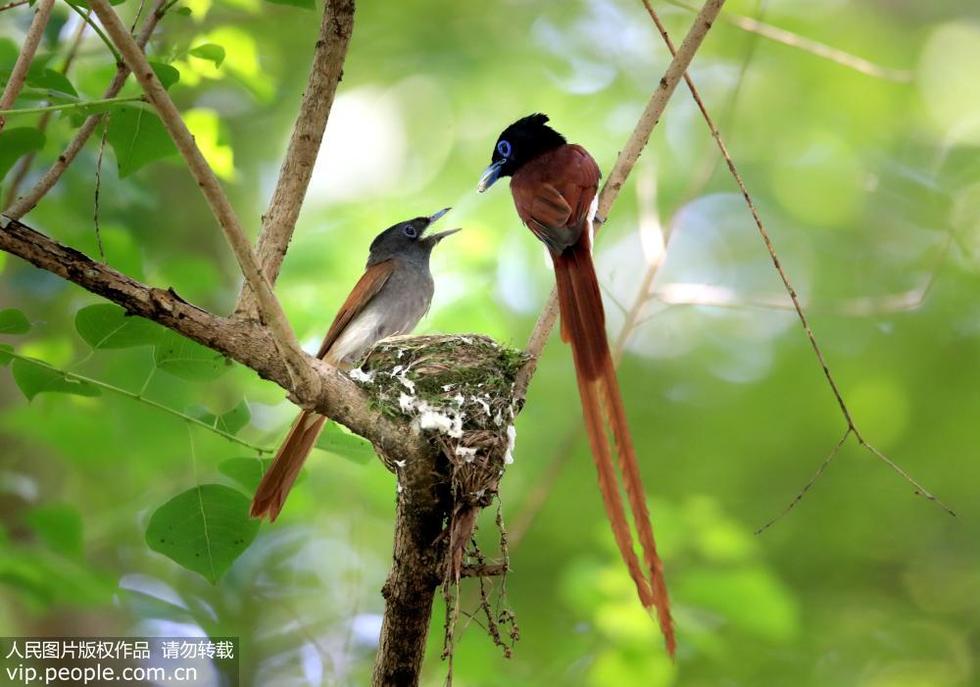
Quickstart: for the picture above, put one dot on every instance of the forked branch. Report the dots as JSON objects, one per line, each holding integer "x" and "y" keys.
{"x": 271, "y": 312}
{"x": 18, "y": 75}
{"x": 24, "y": 204}
{"x": 797, "y": 305}
{"x": 279, "y": 219}
{"x": 243, "y": 341}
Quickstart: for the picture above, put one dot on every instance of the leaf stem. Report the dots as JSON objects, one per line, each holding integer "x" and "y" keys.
{"x": 139, "y": 397}
{"x": 98, "y": 30}
{"x": 72, "y": 106}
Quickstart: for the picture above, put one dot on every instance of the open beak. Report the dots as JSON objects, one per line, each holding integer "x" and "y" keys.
{"x": 436, "y": 216}
{"x": 491, "y": 175}
{"x": 436, "y": 238}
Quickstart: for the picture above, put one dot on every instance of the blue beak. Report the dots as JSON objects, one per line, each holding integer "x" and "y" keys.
{"x": 490, "y": 176}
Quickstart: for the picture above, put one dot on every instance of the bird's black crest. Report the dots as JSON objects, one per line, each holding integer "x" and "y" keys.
{"x": 524, "y": 140}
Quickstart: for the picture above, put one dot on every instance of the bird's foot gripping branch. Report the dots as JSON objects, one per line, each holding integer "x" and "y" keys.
{"x": 458, "y": 391}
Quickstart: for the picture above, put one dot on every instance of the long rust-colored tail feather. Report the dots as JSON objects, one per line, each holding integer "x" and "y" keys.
{"x": 583, "y": 325}
{"x": 278, "y": 479}
{"x": 634, "y": 488}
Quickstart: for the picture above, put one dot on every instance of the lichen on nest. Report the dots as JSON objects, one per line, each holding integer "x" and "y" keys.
{"x": 458, "y": 390}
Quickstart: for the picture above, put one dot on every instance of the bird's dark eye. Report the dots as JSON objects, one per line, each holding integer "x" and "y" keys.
{"x": 410, "y": 231}
{"x": 503, "y": 147}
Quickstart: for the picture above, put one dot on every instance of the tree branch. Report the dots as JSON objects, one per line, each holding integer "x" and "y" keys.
{"x": 279, "y": 219}
{"x": 138, "y": 396}
{"x": 419, "y": 554}
{"x": 271, "y": 313}
{"x": 822, "y": 50}
{"x": 19, "y": 73}
{"x": 29, "y": 200}
{"x": 624, "y": 165}
{"x": 243, "y": 341}
{"x": 11, "y": 5}
{"x": 852, "y": 428}
{"x": 24, "y": 164}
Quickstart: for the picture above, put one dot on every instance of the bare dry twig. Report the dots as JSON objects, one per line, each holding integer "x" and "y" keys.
{"x": 29, "y": 200}
{"x": 11, "y": 5}
{"x": 797, "y": 305}
{"x": 280, "y": 217}
{"x": 27, "y": 51}
{"x": 624, "y": 165}
{"x": 813, "y": 480}
{"x": 822, "y": 50}
{"x": 270, "y": 309}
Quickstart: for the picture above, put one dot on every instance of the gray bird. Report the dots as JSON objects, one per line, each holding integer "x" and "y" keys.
{"x": 390, "y": 298}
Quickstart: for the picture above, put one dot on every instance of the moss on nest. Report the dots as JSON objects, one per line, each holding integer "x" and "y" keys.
{"x": 458, "y": 390}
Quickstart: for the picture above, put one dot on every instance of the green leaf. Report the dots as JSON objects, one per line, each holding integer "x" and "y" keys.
{"x": 15, "y": 143}
{"x": 203, "y": 529}
{"x": 5, "y": 356}
{"x": 183, "y": 11}
{"x": 83, "y": 3}
{"x": 8, "y": 56}
{"x": 138, "y": 138}
{"x": 53, "y": 96}
{"x": 105, "y": 325}
{"x": 230, "y": 422}
{"x": 248, "y": 471}
{"x": 337, "y": 440}
{"x": 188, "y": 360}
{"x": 305, "y": 4}
{"x": 209, "y": 51}
{"x": 41, "y": 77}
{"x": 35, "y": 377}
{"x": 236, "y": 418}
{"x": 209, "y": 134}
{"x": 59, "y": 526}
{"x": 168, "y": 74}
{"x": 13, "y": 321}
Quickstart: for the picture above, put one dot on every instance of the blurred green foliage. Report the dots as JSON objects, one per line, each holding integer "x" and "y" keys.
{"x": 870, "y": 187}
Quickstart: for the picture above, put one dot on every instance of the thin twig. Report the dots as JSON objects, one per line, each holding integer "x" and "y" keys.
{"x": 29, "y": 200}
{"x": 136, "y": 19}
{"x": 709, "y": 295}
{"x": 11, "y": 5}
{"x": 86, "y": 16}
{"x": 138, "y": 396}
{"x": 98, "y": 187}
{"x": 813, "y": 480}
{"x": 24, "y": 164}
{"x": 57, "y": 107}
{"x": 484, "y": 569}
{"x": 709, "y": 163}
{"x": 243, "y": 341}
{"x": 18, "y": 75}
{"x": 280, "y": 217}
{"x": 788, "y": 38}
{"x": 270, "y": 309}
{"x": 621, "y": 170}
{"x": 797, "y": 305}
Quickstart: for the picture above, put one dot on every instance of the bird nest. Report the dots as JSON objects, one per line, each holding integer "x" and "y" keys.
{"x": 458, "y": 391}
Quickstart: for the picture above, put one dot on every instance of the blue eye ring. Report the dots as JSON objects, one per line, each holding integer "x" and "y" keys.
{"x": 410, "y": 231}
{"x": 504, "y": 148}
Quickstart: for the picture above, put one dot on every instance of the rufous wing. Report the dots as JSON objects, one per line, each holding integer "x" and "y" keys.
{"x": 553, "y": 194}
{"x": 366, "y": 288}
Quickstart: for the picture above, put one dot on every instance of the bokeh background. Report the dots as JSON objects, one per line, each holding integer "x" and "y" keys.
{"x": 868, "y": 182}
